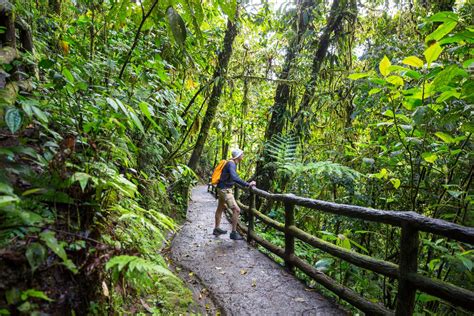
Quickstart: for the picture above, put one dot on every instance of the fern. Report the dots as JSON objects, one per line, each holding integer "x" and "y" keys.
{"x": 282, "y": 150}
{"x": 138, "y": 272}
{"x": 328, "y": 170}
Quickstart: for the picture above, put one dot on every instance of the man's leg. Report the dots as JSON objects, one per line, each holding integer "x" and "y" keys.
{"x": 219, "y": 210}
{"x": 235, "y": 217}
{"x": 218, "y": 216}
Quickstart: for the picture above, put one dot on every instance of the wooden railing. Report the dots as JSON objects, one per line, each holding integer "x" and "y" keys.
{"x": 409, "y": 281}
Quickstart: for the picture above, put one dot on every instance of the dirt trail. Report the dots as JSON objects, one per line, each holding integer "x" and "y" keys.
{"x": 241, "y": 280}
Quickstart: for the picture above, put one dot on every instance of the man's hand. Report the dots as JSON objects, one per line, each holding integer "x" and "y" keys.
{"x": 252, "y": 184}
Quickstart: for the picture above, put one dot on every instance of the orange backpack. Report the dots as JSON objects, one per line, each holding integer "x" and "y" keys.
{"x": 216, "y": 175}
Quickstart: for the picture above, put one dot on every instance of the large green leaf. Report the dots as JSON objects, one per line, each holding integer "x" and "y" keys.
{"x": 35, "y": 254}
{"x": 40, "y": 115}
{"x": 359, "y": 75}
{"x": 432, "y": 53}
{"x": 6, "y": 188}
{"x": 468, "y": 63}
{"x": 413, "y": 61}
{"x": 444, "y": 16}
{"x": 229, "y": 7}
{"x": 384, "y": 66}
{"x": 36, "y": 294}
{"x": 448, "y": 94}
{"x": 136, "y": 121}
{"x": 8, "y": 199}
{"x": 395, "y": 80}
{"x": 13, "y": 119}
{"x": 429, "y": 157}
{"x": 465, "y": 261}
{"x": 68, "y": 75}
{"x": 444, "y": 77}
{"x": 146, "y": 110}
{"x": 82, "y": 178}
{"x": 50, "y": 240}
{"x": 445, "y": 137}
{"x": 374, "y": 91}
{"x": 395, "y": 182}
{"x": 176, "y": 23}
{"x": 441, "y": 31}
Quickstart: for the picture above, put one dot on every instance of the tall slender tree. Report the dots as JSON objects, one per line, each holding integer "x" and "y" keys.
{"x": 338, "y": 10}
{"x": 219, "y": 74}
{"x": 282, "y": 92}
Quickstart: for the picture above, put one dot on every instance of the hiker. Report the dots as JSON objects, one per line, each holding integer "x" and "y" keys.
{"x": 226, "y": 194}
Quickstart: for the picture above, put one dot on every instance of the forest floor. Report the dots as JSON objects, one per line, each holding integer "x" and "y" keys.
{"x": 238, "y": 278}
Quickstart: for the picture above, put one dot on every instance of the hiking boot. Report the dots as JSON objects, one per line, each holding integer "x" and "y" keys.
{"x": 235, "y": 236}
{"x": 217, "y": 231}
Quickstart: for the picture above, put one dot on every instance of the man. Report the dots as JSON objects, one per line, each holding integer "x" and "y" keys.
{"x": 226, "y": 194}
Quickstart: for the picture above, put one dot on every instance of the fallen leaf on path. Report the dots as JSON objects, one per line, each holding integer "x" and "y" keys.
{"x": 191, "y": 274}
{"x": 254, "y": 282}
{"x": 300, "y": 299}
{"x": 243, "y": 271}
{"x": 218, "y": 268}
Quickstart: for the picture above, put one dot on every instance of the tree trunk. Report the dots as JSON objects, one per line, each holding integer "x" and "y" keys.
{"x": 225, "y": 140}
{"x": 55, "y": 6}
{"x": 335, "y": 17}
{"x": 7, "y": 20}
{"x": 222, "y": 62}
{"x": 282, "y": 93}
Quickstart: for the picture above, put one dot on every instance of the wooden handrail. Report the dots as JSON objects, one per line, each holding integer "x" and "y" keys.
{"x": 396, "y": 218}
{"x": 409, "y": 281}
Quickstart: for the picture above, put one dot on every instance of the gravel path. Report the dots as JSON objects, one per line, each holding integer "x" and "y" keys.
{"x": 241, "y": 280}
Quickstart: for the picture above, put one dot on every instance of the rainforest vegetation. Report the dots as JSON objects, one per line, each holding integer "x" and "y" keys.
{"x": 110, "y": 111}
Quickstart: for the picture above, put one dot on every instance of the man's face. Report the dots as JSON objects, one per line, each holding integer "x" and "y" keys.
{"x": 239, "y": 159}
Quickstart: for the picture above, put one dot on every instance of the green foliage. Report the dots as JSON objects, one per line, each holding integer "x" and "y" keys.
{"x": 176, "y": 23}
{"x": 96, "y": 147}
{"x": 48, "y": 237}
{"x": 13, "y": 119}
{"x": 36, "y": 255}
{"x": 140, "y": 272}
{"x": 24, "y": 301}
{"x": 283, "y": 151}
{"x": 89, "y": 154}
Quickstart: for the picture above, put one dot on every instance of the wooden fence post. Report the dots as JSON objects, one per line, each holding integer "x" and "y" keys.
{"x": 289, "y": 238}
{"x": 236, "y": 193}
{"x": 408, "y": 264}
{"x": 251, "y": 216}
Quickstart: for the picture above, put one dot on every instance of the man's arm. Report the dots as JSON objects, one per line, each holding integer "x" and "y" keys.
{"x": 234, "y": 176}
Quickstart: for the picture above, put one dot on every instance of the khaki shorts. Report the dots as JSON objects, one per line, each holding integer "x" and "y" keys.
{"x": 226, "y": 196}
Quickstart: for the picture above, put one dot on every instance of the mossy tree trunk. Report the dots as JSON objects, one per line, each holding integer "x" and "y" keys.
{"x": 264, "y": 174}
{"x": 219, "y": 79}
